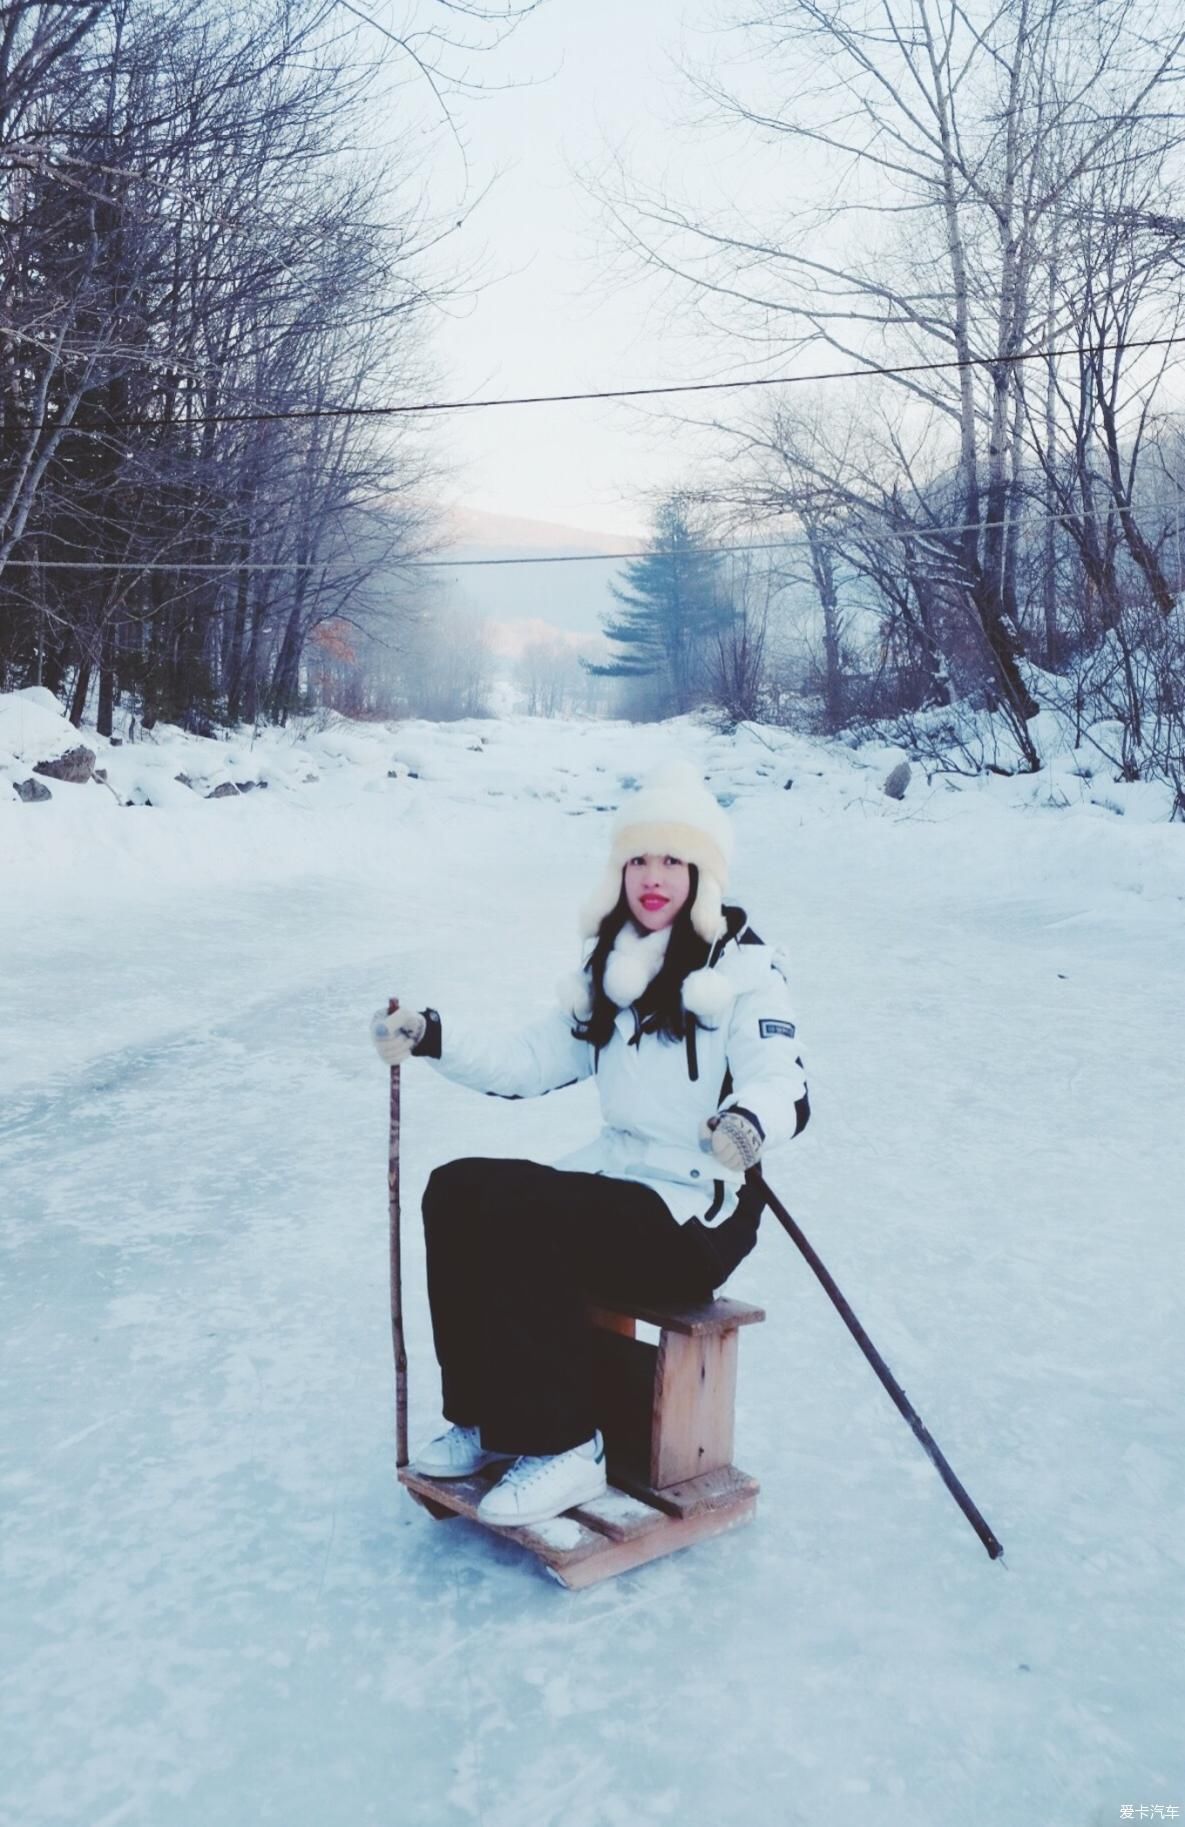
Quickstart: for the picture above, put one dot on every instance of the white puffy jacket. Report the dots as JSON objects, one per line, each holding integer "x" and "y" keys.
{"x": 655, "y": 1092}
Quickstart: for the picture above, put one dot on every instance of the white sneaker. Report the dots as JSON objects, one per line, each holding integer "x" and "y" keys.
{"x": 455, "y": 1454}
{"x": 538, "y": 1487}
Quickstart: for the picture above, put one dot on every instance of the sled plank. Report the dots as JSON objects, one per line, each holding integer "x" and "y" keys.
{"x": 557, "y": 1541}
{"x": 711, "y": 1491}
{"x": 620, "y": 1517}
{"x": 561, "y": 1543}
{"x": 459, "y": 1495}
{"x": 598, "y": 1540}
{"x": 674, "y": 1533}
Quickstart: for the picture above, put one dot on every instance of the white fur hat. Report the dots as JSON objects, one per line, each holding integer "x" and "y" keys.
{"x": 672, "y": 812}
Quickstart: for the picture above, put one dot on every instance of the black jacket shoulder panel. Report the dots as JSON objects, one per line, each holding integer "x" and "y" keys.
{"x": 735, "y": 920}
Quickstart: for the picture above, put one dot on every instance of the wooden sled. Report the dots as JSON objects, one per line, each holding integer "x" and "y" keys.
{"x": 668, "y": 1414}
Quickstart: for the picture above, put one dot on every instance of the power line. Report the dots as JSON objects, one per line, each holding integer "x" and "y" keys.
{"x": 327, "y": 568}
{"x": 867, "y": 371}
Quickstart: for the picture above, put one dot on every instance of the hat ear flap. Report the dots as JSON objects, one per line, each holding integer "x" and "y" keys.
{"x": 707, "y": 914}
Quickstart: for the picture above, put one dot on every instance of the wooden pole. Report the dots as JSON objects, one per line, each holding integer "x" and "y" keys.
{"x": 905, "y": 1407}
{"x": 401, "y": 1454}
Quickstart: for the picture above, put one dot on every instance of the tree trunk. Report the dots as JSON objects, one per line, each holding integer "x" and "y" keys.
{"x": 106, "y": 715}
{"x": 82, "y": 686}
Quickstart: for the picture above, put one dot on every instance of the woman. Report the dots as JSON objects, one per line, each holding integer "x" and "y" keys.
{"x": 683, "y": 1016}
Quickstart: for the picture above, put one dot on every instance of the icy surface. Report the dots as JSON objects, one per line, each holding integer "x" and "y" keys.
{"x": 219, "y": 1607}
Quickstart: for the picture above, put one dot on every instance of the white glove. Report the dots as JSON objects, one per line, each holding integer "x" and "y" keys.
{"x": 395, "y": 1036}
{"x": 735, "y": 1140}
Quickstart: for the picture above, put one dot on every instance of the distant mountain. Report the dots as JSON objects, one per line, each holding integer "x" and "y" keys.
{"x": 571, "y": 597}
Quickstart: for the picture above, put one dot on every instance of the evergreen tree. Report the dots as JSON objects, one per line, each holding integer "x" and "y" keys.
{"x": 672, "y": 605}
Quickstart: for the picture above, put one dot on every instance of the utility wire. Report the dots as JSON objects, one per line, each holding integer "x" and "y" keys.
{"x": 328, "y": 568}
{"x": 638, "y": 393}
{"x": 867, "y": 371}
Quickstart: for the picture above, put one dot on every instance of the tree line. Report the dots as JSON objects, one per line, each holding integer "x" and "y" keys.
{"x": 976, "y": 213}
{"x": 207, "y": 275}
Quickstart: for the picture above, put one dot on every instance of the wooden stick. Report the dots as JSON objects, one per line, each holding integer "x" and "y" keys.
{"x": 400, "y": 1349}
{"x": 905, "y": 1407}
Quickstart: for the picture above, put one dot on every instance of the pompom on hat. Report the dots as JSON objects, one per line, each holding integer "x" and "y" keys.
{"x": 672, "y": 814}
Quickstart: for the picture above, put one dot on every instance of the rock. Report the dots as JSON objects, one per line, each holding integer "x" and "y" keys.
{"x": 229, "y": 789}
{"x": 30, "y": 790}
{"x": 101, "y": 774}
{"x": 116, "y": 742}
{"x": 788, "y": 785}
{"x": 184, "y": 781}
{"x": 898, "y": 780}
{"x": 75, "y": 765}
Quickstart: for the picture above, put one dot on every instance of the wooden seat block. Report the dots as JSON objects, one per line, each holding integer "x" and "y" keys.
{"x": 712, "y": 1316}
{"x": 695, "y": 1382}
{"x": 667, "y": 1409}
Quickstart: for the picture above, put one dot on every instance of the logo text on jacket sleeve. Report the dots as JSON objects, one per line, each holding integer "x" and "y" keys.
{"x": 768, "y": 1028}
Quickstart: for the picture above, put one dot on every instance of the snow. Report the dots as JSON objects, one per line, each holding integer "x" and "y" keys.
{"x": 219, "y": 1605}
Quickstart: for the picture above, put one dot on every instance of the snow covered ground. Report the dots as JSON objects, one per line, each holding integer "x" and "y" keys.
{"x": 217, "y": 1604}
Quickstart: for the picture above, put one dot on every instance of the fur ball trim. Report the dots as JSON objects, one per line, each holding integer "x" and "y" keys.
{"x": 708, "y": 995}
{"x": 634, "y": 962}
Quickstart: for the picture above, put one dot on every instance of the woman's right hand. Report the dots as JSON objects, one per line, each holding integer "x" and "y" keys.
{"x": 396, "y": 1036}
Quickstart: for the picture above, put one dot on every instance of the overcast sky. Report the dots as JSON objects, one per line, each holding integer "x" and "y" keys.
{"x": 595, "y": 77}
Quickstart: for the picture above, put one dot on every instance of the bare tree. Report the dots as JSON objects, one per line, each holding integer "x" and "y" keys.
{"x": 207, "y": 290}
{"x": 971, "y": 134}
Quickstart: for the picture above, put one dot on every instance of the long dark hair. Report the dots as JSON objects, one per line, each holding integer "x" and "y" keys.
{"x": 663, "y": 1000}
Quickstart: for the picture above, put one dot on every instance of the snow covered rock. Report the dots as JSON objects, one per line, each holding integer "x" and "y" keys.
{"x": 76, "y": 765}
{"x": 30, "y": 790}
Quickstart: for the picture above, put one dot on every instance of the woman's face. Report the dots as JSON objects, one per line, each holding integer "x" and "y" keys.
{"x": 656, "y": 887}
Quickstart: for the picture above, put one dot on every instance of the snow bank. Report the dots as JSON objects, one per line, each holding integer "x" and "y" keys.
{"x": 328, "y": 796}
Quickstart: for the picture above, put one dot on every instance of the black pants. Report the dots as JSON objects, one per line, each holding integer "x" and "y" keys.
{"x": 516, "y": 1251}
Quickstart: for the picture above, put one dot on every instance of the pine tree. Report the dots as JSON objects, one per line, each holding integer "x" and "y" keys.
{"x": 672, "y": 604}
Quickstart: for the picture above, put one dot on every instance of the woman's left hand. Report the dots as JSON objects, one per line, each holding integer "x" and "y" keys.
{"x": 736, "y": 1139}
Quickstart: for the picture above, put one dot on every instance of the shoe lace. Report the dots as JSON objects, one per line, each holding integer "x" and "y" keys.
{"x": 528, "y": 1468}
